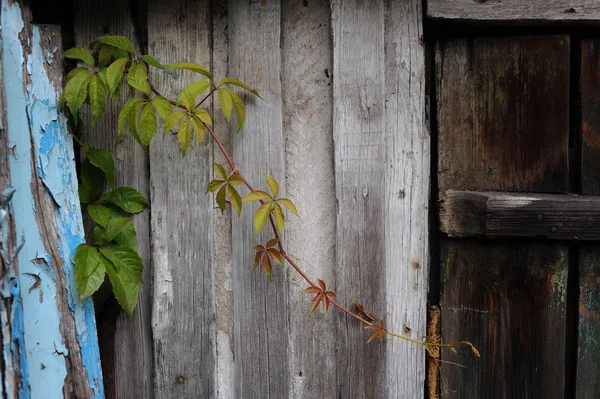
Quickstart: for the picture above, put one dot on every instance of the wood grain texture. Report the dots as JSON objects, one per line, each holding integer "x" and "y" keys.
{"x": 182, "y": 217}
{"x": 406, "y": 167}
{"x": 588, "y": 354}
{"x": 509, "y": 300}
{"x": 590, "y": 116}
{"x": 132, "y": 369}
{"x": 515, "y": 11}
{"x": 307, "y": 108}
{"x": 503, "y": 113}
{"x": 359, "y": 132}
{"x": 493, "y": 215}
{"x": 261, "y": 309}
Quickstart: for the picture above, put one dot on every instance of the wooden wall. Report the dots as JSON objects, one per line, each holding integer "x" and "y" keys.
{"x": 342, "y": 127}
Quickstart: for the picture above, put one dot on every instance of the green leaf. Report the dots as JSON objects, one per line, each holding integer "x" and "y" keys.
{"x": 80, "y": 53}
{"x": 103, "y": 160}
{"x": 115, "y": 226}
{"x": 125, "y": 260}
{"x": 133, "y": 122}
{"x": 126, "y": 198}
{"x": 257, "y": 195}
{"x": 85, "y": 194}
{"x": 221, "y": 202}
{"x": 226, "y": 103}
{"x": 125, "y": 290}
{"x": 98, "y": 92}
{"x": 194, "y": 90}
{"x": 114, "y": 73}
{"x": 235, "y": 180}
{"x": 102, "y": 214}
{"x": 138, "y": 77}
{"x": 128, "y": 237}
{"x": 234, "y": 199}
{"x": 289, "y": 205}
{"x": 239, "y": 108}
{"x": 213, "y": 185}
{"x": 199, "y": 129}
{"x": 125, "y": 113}
{"x": 163, "y": 106}
{"x": 220, "y": 171}
{"x": 89, "y": 271}
{"x": 147, "y": 125}
{"x": 272, "y": 184}
{"x": 92, "y": 178}
{"x": 119, "y": 42}
{"x": 279, "y": 217}
{"x": 204, "y": 116}
{"x": 188, "y": 100}
{"x": 190, "y": 66}
{"x": 76, "y": 89}
{"x": 100, "y": 237}
{"x": 102, "y": 75}
{"x": 173, "y": 120}
{"x": 148, "y": 59}
{"x": 238, "y": 83}
{"x": 105, "y": 54}
{"x": 261, "y": 216}
{"x": 184, "y": 135}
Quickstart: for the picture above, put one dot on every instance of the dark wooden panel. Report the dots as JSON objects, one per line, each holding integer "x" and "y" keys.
{"x": 509, "y": 300}
{"x": 492, "y": 214}
{"x": 590, "y": 116}
{"x": 503, "y": 113}
{"x": 588, "y": 354}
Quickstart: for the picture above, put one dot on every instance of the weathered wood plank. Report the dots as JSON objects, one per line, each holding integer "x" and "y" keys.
{"x": 182, "y": 224}
{"x": 503, "y": 125}
{"x": 52, "y": 347}
{"x": 307, "y": 108}
{"x": 590, "y": 116}
{"x": 530, "y": 12}
{"x": 260, "y": 307}
{"x": 359, "y": 132}
{"x": 503, "y": 113}
{"x": 493, "y": 215}
{"x": 588, "y": 353}
{"x": 131, "y": 374}
{"x": 509, "y": 300}
{"x": 406, "y": 165}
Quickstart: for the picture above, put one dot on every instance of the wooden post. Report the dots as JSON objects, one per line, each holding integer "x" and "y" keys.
{"x": 49, "y": 336}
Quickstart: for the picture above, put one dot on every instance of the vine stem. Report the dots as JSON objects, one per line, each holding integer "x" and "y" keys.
{"x": 283, "y": 252}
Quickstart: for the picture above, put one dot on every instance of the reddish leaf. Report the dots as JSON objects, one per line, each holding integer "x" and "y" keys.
{"x": 272, "y": 242}
{"x": 379, "y": 332}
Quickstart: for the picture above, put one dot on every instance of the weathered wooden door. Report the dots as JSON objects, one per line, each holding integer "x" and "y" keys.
{"x": 514, "y": 279}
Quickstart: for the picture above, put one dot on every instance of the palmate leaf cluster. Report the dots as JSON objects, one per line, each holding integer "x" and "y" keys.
{"x": 113, "y": 250}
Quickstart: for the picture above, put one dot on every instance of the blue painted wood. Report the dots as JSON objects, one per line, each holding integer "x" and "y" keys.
{"x": 54, "y": 343}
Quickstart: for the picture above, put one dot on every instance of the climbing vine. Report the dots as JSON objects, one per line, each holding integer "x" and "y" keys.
{"x": 105, "y": 65}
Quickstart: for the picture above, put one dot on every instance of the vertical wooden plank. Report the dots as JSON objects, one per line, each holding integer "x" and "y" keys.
{"x": 132, "y": 370}
{"x": 406, "y": 194}
{"x": 307, "y": 106}
{"x": 52, "y": 345}
{"x": 590, "y": 116}
{"x": 359, "y": 132}
{"x": 181, "y": 216}
{"x": 503, "y": 125}
{"x": 588, "y": 353}
{"x": 260, "y": 307}
{"x": 503, "y": 113}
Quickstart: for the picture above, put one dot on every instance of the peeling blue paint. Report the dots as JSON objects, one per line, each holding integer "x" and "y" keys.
{"x": 36, "y": 322}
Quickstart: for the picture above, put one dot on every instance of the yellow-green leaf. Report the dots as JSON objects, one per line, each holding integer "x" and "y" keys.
{"x": 220, "y": 171}
{"x": 226, "y": 103}
{"x": 148, "y": 59}
{"x": 194, "y": 89}
{"x": 114, "y": 73}
{"x": 273, "y": 185}
{"x": 213, "y": 185}
{"x": 261, "y": 216}
{"x": 147, "y": 125}
{"x": 257, "y": 195}
{"x": 188, "y": 100}
{"x": 279, "y": 217}
{"x": 239, "y": 108}
{"x": 138, "y": 77}
{"x": 163, "y": 106}
{"x": 104, "y": 55}
{"x": 82, "y": 54}
{"x": 119, "y": 42}
{"x": 76, "y": 89}
{"x": 234, "y": 199}
{"x": 190, "y": 66}
{"x": 238, "y": 83}
{"x": 97, "y": 92}
{"x": 125, "y": 112}
{"x": 133, "y": 121}
{"x": 173, "y": 120}
{"x": 235, "y": 180}
{"x": 288, "y": 204}
{"x": 204, "y": 116}
{"x": 184, "y": 135}
{"x": 220, "y": 198}
{"x": 199, "y": 129}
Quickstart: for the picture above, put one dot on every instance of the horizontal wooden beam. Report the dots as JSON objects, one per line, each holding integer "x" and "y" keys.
{"x": 492, "y": 214}
{"x": 515, "y": 11}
